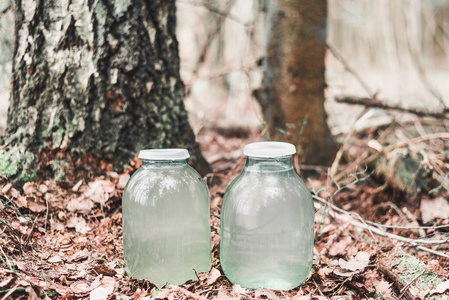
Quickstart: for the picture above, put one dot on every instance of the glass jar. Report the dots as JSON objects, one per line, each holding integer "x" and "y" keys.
{"x": 267, "y": 221}
{"x": 166, "y": 219}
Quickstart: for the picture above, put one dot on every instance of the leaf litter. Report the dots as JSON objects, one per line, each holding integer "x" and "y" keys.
{"x": 66, "y": 243}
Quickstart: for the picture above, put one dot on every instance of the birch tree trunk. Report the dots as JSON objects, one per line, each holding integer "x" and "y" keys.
{"x": 293, "y": 84}
{"x": 94, "y": 80}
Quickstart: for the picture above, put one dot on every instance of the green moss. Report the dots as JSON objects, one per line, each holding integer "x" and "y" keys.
{"x": 57, "y": 130}
{"x": 412, "y": 267}
{"x": 8, "y": 164}
{"x": 74, "y": 122}
{"x": 17, "y": 164}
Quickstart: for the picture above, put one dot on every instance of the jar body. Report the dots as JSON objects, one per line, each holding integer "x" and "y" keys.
{"x": 267, "y": 231}
{"x": 166, "y": 223}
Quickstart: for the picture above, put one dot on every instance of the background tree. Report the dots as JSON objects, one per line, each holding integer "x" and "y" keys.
{"x": 292, "y": 94}
{"x": 93, "y": 80}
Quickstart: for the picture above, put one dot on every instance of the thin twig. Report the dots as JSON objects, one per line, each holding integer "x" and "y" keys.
{"x": 356, "y": 215}
{"x": 339, "y": 154}
{"x": 373, "y": 102}
{"x": 226, "y": 15}
{"x": 11, "y": 291}
{"x": 377, "y": 231}
{"x": 374, "y": 156}
{"x": 46, "y": 214}
{"x": 384, "y": 266}
{"x": 349, "y": 69}
{"x": 6, "y": 261}
{"x": 404, "y": 289}
{"x": 407, "y": 227}
{"x": 210, "y": 37}
{"x": 318, "y": 288}
{"x": 245, "y": 67}
{"x": 433, "y": 136}
{"x": 208, "y": 290}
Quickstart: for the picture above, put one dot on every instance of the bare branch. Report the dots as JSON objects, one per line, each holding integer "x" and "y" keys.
{"x": 372, "y": 102}
{"x": 372, "y": 229}
{"x": 349, "y": 69}
{"x": 210, "y": 37}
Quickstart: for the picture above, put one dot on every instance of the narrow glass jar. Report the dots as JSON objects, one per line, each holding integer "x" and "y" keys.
{"x": 166, "y": 219}
{"x": 267, "y": 221}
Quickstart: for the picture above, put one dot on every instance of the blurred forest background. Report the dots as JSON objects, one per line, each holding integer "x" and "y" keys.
{"x": 397, "y": 50}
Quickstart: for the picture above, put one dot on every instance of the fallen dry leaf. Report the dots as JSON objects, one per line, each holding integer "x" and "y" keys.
{"x": 14, "y": 193}
{"x": 79, "y": 275}
{"x": 308, "y": 297}
{"x": 107, "y": 286}
{"x": 441, "y": 288}
{"x": 56, "y": 226}
{"x": 78, "y": 223}
{"x": 29, "y": 188}
{"x": 433, "y": 209}
{"x": 104, "y": 270}
{"x": 301, "y": 297}
{"x": 7, "y": 282}
{"x": 43, "y": 188}
{"x": 384, "y": 288}
{"x": 96, "y": 283}
{"x": 21, "y": 201}
{"x": 339, "y": 247}
{"x": 163, "y": 294}
{"x": 324, "y": 271}
{"x": 269, "y": 294}
{"x": 213, "y": 276}
{"x": 343, "y": 273}
{"x": 123, "y": 180}
{"x": 55, "y": 259}
{"x": 223, "y": 294}
{"x": 79, "y": 255}
{"x": 183, "y": 291}
{"x": 238, "y": 289}
{"x": 6, "y": 188}
{"x": 436, "y": 267}
{"x": 31, "y": 293}
{"x": 99, "y": 190}
{"x": 80, "y": 204}
{"x": 80, "y": 287}
{"x": 359, "y": 262}
{"x": 35, "y": 206}
{"x": 76, "y": 187}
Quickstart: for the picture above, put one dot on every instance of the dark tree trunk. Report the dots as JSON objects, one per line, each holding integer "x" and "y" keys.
{"x": 293, "y": 85}
{"x": 94, "y": 80}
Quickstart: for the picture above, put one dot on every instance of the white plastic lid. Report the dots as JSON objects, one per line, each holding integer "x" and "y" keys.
{"x": 164, "y": 154}
{"x": 269, "y": 149}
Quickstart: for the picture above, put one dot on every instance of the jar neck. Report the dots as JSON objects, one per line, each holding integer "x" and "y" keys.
{"x": 272, "y": 164}
{"x": 150, "y": 163}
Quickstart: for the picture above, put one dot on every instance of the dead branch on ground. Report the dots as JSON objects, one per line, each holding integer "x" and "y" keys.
{"x": 349, "y": 217}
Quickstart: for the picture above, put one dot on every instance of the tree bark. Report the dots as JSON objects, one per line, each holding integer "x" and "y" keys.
{"x": 94, "y": 80}
{"x": 292, "y": 93}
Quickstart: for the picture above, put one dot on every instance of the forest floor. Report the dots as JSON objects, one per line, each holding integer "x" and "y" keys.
{"x": 373, "y": 240}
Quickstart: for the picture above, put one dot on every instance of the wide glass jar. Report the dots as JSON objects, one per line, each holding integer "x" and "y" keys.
{"x": 267, "y": 221}
{"x": 166, "y": 227}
